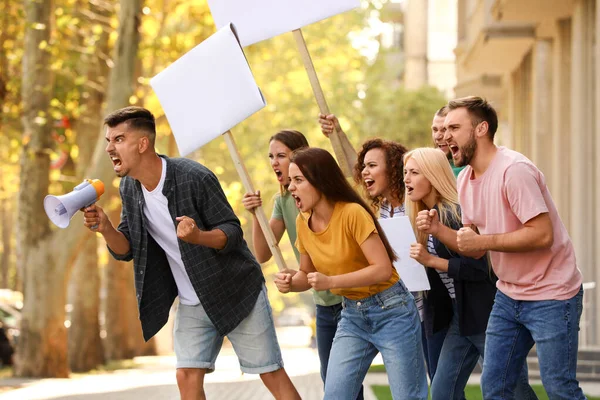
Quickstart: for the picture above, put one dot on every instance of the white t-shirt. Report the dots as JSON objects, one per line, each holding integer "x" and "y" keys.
{"x": 162, "y": 228}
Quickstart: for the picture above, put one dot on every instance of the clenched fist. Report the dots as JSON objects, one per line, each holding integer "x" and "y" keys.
{"x": 467, "y": 240}
{"x": 186, "y": 229}
{"x": 419, "y": 253}
{"x": 95, "y": 218}
{"x": 319, "y": 281}
{"x": 283, "y": 281}
{"x": 428, "y": 221}
{"x": 328, "y": 123}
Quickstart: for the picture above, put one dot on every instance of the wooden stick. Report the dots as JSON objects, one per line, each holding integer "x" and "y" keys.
{"x": 259, "y": 212}
{"x": 346, "y": 157}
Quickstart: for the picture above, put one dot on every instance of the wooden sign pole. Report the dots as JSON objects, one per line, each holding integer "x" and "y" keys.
{"x": 342, "y": 148}
{"x": 260, "y": 214}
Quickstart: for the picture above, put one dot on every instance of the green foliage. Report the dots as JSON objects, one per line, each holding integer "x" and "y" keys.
{"x": 395, "y": 113}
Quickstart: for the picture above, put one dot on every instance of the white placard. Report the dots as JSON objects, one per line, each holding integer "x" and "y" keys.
{"x": 207, "y": 91}
{"x": 257, "y": 20}
{"x": 400, "y": 235}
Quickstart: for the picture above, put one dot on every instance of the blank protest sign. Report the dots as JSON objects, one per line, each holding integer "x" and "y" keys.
{"x": 257, "y": 20}
{"x": 207, "y": 91}
{"x": 401, "y": 235}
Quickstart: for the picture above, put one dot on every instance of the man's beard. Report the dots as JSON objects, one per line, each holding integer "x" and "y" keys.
{"x": 467, "y": 152}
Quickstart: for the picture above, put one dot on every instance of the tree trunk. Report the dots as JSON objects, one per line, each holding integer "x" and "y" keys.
{"x": 120, "y": 88}
{"x": 85, "y": 345}
{"x": 6, "y": 223}
{"x": 42, "y": 346}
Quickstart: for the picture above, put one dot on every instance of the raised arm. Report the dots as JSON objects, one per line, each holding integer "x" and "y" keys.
{"x": 329, "y": 123}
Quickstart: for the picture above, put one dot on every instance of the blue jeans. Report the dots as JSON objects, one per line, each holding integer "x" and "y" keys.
{"x": 513, "y": 328}
{"x": 387, "y": 322}
{"x": 432, "y": 347}
{"x": 328, "y": 318}
{"x": 458, "y": 358}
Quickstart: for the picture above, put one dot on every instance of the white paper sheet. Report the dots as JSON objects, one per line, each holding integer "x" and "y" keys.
{"x": 257, "y": 20}
{"x": 400, "y": 235}
{"x": 207, "y": 91}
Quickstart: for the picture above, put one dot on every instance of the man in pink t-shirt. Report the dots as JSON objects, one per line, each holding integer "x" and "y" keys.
{"x": 539, "y": 300}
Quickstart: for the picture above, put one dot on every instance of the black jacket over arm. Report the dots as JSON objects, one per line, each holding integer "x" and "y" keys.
{"x": 474, "y": 285}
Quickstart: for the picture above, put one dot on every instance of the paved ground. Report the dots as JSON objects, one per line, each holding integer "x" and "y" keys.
{"x": 155, "y": 379}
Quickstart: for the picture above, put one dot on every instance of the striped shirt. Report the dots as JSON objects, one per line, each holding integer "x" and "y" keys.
{"x": 448, "y": 282}
{"x": 385, "y": 212}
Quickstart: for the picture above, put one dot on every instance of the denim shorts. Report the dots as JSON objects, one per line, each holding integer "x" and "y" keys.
{"x": 197, "y": 342}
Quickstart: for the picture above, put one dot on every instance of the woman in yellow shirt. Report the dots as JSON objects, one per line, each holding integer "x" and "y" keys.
{"x": 343, "y": 249}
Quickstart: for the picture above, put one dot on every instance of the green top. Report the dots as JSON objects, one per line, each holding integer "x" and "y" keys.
{"x": 456, "y": 170}
{"x": 285, "y": 209}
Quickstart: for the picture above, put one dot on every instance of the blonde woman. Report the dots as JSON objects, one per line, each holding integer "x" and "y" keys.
{"x": 462, "y": 288}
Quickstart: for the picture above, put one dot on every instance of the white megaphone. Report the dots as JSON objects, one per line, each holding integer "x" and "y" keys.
{"x": 60, "y": 209}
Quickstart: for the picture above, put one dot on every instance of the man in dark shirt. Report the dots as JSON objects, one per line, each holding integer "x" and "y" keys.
{"x": 185, "y": 240}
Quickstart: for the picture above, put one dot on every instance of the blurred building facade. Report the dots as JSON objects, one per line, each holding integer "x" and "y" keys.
{"x": 418, "y": 43}
{"x": 536, "y": 61}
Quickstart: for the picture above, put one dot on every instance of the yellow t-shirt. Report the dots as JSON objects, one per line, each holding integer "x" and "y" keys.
{"x": 336, "y": 250}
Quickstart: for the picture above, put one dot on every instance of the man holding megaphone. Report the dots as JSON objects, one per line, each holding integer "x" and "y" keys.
{"x": 181, "y": 232}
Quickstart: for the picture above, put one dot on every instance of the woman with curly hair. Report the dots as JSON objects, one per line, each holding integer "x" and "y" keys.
{"x": 379, "y": 170}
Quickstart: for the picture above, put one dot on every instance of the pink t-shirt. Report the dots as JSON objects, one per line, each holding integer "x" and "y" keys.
{"x": 511, "y": 192}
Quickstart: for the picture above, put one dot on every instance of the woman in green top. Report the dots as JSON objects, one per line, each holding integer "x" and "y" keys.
{"x": 329, "y": 306}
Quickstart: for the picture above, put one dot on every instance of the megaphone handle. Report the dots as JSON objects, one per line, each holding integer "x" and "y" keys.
{"x": 92, "y": 203}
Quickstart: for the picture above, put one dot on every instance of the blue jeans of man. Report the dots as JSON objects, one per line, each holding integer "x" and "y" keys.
{"x": 514, "y": 327}
{"x": 387, "y": 322}
{"x": 328, "y": 318}
{"x": 458, "y": 358}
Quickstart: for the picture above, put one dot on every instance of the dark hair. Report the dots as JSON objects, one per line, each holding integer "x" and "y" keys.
{"x": 479, "y": 110}
{"x": 442, "y": 112}
{"x": 290, "y": 138}
{"x": 137, "y": 118}
{"x": 394, "y": 167}
{"x": 320, "y": 170}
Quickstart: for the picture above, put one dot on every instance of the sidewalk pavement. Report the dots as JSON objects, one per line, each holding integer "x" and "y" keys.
{"x": 155, "y": 380}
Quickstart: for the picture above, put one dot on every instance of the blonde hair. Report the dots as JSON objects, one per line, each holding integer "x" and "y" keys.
{"x": 434, "y": 166}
